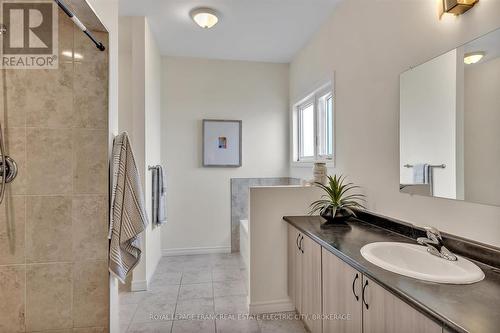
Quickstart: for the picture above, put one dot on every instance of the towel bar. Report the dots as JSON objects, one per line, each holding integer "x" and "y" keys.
{"x": 442, "y": 166}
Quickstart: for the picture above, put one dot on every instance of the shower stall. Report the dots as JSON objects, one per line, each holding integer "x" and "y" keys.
{"x": 54, "y": 180}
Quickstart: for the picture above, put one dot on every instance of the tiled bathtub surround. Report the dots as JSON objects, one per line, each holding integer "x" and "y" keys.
{"x": 53, "y": 222}
{"x": 239, "y": 201}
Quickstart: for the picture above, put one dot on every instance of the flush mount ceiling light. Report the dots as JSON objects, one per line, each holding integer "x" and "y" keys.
{"x": 458, "y": 7}
{"x": 472, "y": 58}
{"x": 204, "y": 17}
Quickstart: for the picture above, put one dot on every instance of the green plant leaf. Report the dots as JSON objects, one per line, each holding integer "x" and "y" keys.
{"x": 338, "y": 194}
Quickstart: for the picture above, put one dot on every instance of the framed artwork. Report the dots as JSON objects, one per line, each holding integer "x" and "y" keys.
{"x": 221, "y": 143}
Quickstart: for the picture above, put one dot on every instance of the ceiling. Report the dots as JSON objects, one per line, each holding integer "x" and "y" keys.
{"x": 489, "y": 44}
{"x": 254, "y": 30}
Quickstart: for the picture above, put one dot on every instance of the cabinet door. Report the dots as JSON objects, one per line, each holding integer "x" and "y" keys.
{"x": 311, "y": 284}
{"x": 384, "y": 312}
{"x": 341, "y": 296}
{"x": 294, "y": 268}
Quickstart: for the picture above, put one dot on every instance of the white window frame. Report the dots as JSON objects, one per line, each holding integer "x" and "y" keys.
{"x": 296, "y": 146}
{"x": 304, "y": 105}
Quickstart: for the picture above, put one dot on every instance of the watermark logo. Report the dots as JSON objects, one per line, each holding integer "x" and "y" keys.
{"x": 29, "y": 34}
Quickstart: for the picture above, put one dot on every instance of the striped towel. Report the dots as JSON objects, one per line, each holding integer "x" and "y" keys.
{"x": 128, "y": 217}
{"x": 159, "y": 214}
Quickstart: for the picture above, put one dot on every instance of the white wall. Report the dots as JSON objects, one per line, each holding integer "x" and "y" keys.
{"x": 152, "y": 140}
{"x": 428, "y": 121}
{"x": 125, "y": 121}
{"x": 198, "y": 209}
{"x": 268, "y": 243}
{"x": 140, "y": 100}
{"x": 482, "y": 132}
{"x": 368, "y": 44}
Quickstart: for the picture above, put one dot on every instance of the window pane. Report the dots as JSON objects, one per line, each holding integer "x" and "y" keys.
{"x": 325, "y": 126}
{"x": 306, "y": 133}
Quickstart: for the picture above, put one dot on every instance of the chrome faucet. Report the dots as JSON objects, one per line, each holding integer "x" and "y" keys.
{"x": 434, "y": 243}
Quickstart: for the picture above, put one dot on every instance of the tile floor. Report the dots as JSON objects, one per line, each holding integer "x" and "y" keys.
{"x": 187, "y": 291}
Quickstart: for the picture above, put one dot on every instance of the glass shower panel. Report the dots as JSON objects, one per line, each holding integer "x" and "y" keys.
{"x": 54, "y": 214}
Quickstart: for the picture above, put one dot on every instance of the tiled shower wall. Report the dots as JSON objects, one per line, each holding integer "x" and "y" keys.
{"x": 239, "y": 201}
{"x": 53, "y": 222}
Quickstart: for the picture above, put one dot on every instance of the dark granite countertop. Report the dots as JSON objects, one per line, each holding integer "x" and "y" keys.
{"x": 460, "y": 308}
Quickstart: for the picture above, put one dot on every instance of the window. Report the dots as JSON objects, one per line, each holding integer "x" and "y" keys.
{"x": 313, "y": 127}
{"x": 306, "y": 131}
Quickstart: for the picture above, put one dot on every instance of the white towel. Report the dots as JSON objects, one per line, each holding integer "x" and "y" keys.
{"x": 420, "y": 174}
{"x": 128, "y": 217}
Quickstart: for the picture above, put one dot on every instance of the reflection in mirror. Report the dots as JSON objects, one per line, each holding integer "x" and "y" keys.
{"x": 450, "y": 124}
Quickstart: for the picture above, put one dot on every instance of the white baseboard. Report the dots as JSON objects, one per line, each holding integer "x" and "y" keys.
{"x": 140, "y": 285}
{"x": 195, "y": 250}
{"x": 271, "y": 306}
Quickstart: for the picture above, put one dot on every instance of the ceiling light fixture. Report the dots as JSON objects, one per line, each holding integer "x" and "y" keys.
{"x": 472, "y": 58}
{"x": 458, "y": 7}
{"x": 204, "y": 17}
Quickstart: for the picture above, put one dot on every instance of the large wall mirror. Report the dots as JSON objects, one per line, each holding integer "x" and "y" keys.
{"x": 450, "y": 124}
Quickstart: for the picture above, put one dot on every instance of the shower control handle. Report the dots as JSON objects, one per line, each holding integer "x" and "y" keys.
{"x": 8, "y": 167}
{"x": 11, "y": 169}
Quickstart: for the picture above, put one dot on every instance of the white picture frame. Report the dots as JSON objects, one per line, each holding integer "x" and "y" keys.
{"x": 222, "y": 143}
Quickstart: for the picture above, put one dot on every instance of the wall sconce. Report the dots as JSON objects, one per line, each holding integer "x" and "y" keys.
{"x": 456, "y": 7}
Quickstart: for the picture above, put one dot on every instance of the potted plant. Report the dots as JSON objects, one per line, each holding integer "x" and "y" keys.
{"x": 338, "y": 203}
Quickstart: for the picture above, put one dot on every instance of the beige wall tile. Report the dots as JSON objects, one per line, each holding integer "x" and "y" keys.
{"x": 66, "y": 31}
{"x": 90, "y": 227}
{"x": 91, "y": 294}
{"x": 43, "y": 107}
{"x": 90, "y": 330}
{"x": 49, "y": 296}
{"x": 12, "y": 288}
{"x": 33, "y": 102}
{"x": 66, "y": 330}
{"x": 91, "y": 98}
{"x": 90, "y": 163}
{"x": 91, "y": 87}
{"x": 12, "y": 230}
{"x": 49, "y": 161}
{"x": 88, "y": 50}
{"x": 29, "y": 95}
{"x": 50, "y": 105}
{"x": 48, "y": 229}
{"x": 15, "y": 144}
{"x": 17, "y": 86}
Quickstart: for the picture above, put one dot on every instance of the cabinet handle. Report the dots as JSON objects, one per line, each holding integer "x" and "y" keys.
{"x": 363, "y": 294}
{"x": 353, "y": 284}
{"x": 297, "y": 241}
{"x": 300, "y": 244}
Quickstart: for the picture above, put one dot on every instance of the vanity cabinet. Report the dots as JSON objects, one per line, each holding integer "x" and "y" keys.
{"x": 341, "y": 296}
{"x": 304, "y": 277}
{"x": 321, "y": 283}
{"x": 311, "y": 284}
{"x": 294, "y": 268}
{"x": 384, "y": 312}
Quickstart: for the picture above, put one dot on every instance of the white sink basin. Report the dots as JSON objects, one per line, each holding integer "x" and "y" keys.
{"x": 414, "y": 261}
